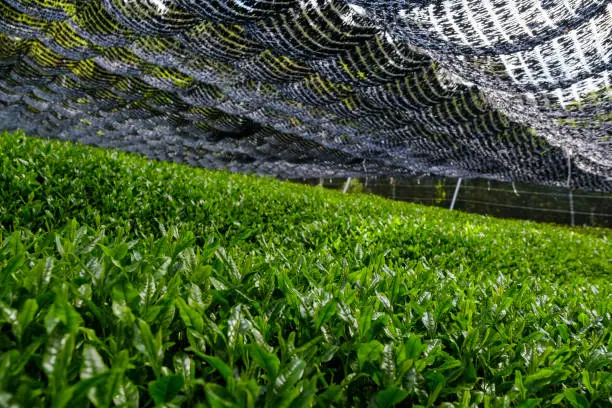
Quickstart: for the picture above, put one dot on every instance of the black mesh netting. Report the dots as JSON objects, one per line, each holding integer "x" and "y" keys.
{"x": 504, "y": 89}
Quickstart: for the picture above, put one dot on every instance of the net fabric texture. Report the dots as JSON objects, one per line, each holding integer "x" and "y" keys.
{"x": 502, "y": 89}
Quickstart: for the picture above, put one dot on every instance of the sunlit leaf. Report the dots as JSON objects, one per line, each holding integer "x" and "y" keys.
{"x": 289, "y": 375}
{"x": 92, "y": 366}
{"x": 127, "y": 395}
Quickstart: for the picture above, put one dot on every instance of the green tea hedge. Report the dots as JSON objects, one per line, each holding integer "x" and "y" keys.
{"x": 126, "y": 282}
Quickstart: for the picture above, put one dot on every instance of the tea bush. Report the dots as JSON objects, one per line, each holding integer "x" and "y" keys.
{"x": 127, "y": 282}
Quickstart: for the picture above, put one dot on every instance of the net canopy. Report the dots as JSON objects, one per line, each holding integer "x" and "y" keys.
{"x": 502, "y": 89}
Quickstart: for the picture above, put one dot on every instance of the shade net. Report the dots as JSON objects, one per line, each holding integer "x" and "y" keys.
{"x": 502, "y": 89}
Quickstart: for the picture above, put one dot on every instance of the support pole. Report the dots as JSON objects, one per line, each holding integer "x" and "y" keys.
{"x": 346, "y": 185}
{"x": 456, "y": 194}
{"x": 569, "y": 187}
{"x": 392, "y": 187}
{"x": 571, "y": 203}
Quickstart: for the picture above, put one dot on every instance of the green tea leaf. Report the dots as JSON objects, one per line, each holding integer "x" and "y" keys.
{"x": 150, "y": 346}
{"x": 577, "y": 400}
{"x": 76, "y": 392}
{"x": 390, "y": 397}
{"x": 233, "y": 325}
{"x": 436, "y": 383}
{"x": 127, "y": 395}
{"x": 25, "y": 317}
{"x": 325, "y": 313}
{"x": 165, "y": 389}
{"x": 412, "y": 349}
{"x": 219, "y": 365}
{"x": 429, "y": 322}
{"x": 190, "y": 317}
{"x": 219, "y": 397}
{"x": 544, "y": 377}
{"x": 518, "y": 382}
{"x": 289, "y": 375}
{"x": 586, "y": 381}
{"x": 186, "y": 367}
{"x": 11, "y": 267}
{"x": 47, "y": 272}
{"x": 369, "y": 353}
{"x": 306, "y": 396}
{"x": 530, "y": 403}
{"x": 62, "y": 312}
{"x": 268, "y": 361}
{"x": 93, "y": 366}
{"x": 388, "y": 365}
{"x": 56, "y": 361}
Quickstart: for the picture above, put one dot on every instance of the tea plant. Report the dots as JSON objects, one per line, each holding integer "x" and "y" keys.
{"x": 126, "y": 282}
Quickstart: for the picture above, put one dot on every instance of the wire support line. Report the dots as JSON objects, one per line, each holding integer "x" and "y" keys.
{"x": 535, "y": 208}
{"x": 411, "y": 199}
{"x": 526, "y": 192}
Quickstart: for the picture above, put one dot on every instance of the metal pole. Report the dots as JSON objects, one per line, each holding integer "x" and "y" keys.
{"x": 514, "y": 189}
{"x": 569, "y": 186}
{"x": 346, "y": 185}
{"x": 571, "y": 202}
{"x": 569, "y": 169}
{"x": 392, "y": 188}
{"x": 456, "y": 194}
